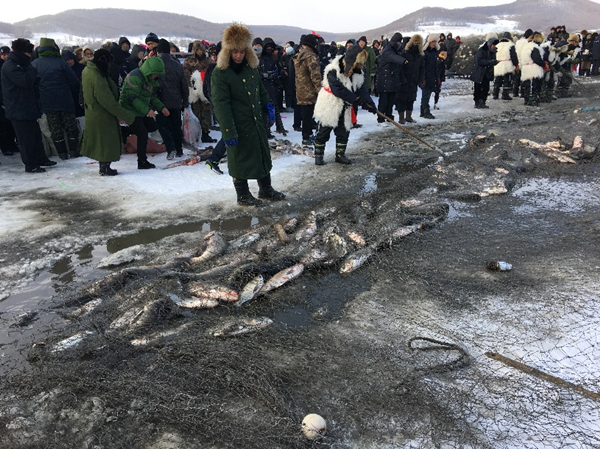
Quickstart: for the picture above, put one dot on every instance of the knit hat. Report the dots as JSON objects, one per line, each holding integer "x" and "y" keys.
{"x": 4, "y": 49}
{"x": 163, "y": 46}
{"x": 151, "y": 38}
{"x": 257, "y": 41}
{"x": 363, "y": 38}
{"x": 101, "y": 59}
{"x": 351, "y": 41}
{"x": 20, "y": 45}
{"x": 528, "y": 33}
{"x": 67, "y": 54}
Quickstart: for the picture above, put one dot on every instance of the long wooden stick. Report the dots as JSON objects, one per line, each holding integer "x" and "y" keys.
{"x": 410, "y": 133}
{"x": 542, "y": 375}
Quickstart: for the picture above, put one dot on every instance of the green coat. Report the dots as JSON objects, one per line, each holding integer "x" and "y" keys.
{"x": 139, "y": 89}
{"x": 238, "y": 101}
{"x": 102, "y": 134}
{"x": 369, "y": 66}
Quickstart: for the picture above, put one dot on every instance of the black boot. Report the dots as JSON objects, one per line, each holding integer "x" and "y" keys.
{"x": 266, "y": 191}
{"x": 401, "y": 119}
{"x": 319, "y": 153}
{"x": 409, "y": 118}
{"x": 482, "y": 105}
{"x": 422, "y": 112}
{"x": 74, "y": 148}
{"x": 496, "y": 93}
{"x": 506, "y": 95}
{"x": 145, "y": 165}
{"x": 427, "y": 113}
{"x": 477, "y": 104}
{"x": 340, "y": 154}
{"x": 105, "y": 169}
{"x": 244, "y": 197}
{"x": 206, "y": 138}
{"x": 61, "y": 149}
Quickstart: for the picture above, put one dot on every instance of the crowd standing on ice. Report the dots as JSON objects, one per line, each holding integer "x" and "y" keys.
{"x": 240, "y": 86}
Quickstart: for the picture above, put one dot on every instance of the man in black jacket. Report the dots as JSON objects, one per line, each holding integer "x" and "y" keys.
{"x": 388, "y": 76}
{"x": 483, "y": 72}
{"x": 173, "y": 93}
{"x": 21, "y": 106}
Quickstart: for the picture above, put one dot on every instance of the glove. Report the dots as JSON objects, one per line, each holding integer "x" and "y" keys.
{"x": 369, "y": 107}
{"x": 232, "y": 142}
{"x": 270, "y": 110}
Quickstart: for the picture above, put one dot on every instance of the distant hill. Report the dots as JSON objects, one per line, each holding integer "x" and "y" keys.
{"x": 110, "y": 23}
{"x": 97, "y": 25}
{"x": 519, "y": 15}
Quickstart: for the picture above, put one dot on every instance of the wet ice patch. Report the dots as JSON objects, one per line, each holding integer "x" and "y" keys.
{"x": 556, "y": 195}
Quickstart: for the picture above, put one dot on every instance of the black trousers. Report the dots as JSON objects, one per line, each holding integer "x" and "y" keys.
{"x": 425, "y": 97}
{"x": 170, "y": 130}
{"x": 7, "y": 134}
{"x": 387, "y": 100}
{"x": 141, "y": 127}
{"x": 341, "y": 133}
{"x": 219, "y": 152}
{"x": 307, "y": 120}
{"x": 29, "y": 136}
{"x": 481, "y": 91}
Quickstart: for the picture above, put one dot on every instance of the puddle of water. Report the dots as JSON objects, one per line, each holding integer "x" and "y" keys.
{"x": 556, "y": 195}
{"x": 385, "y": 178}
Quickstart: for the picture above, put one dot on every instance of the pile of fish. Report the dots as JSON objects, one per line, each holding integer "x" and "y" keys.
{"x": 286, "y": 147}
{"x": 558, "y": 151}
{"x": 234, "y": 272}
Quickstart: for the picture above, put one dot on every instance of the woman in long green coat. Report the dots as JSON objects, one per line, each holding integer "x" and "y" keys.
{"x": 240, "y": 102}
{"x": 102, "y": 134}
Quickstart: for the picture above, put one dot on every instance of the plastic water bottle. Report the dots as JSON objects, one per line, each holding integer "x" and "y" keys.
{"x": 498, "y": 266}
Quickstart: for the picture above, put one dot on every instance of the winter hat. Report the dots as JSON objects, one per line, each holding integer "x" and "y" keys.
{"x": 268, "y": 42}
{"x": 20, "y": 45}
{"x": 136, "y": 49}
{"x": 573, "y": 39}
{"x": 354, "y": 56}
{"x": 67, "y": 54}
{"x": 310, "y": 40}
{"x": 151, "y": 38}
{"x": 397, "y": 37}
{"x": 4, "y": 50}
{"x": 351, "y": 41}
{"x": 163, "y": 46}
{"x": 236, "y": 37}
{"x": 506, "y": 35}
{"x": 363, "y": 38}
{"x": 101, "y": 59}
{"x": 431, "y": 38}
{"x": 528, "y": 33}
{"x": 124, "y": 40}
{"x": 538, "y": 38}
{"x": 47, "y": 42}
{"x": 257, "y": 41}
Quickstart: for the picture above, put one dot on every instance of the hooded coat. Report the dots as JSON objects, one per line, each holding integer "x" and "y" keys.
{"x": 58, "y": 84}
{"x": 139, "y": 89}
{"x": 239, "y": 98}
{"x": 19, "y": 88}
{"x": 102, "y": 134}
{"x": 485, "y": 59}
{"x": 390, "y": 65}
{"x": 411, "y": 73}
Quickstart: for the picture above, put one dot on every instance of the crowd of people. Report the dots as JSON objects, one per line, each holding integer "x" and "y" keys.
{"x": 91, "y": 100}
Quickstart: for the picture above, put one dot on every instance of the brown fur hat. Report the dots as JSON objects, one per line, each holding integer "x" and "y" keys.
{"x": 538, "y": 37}
{"x": 573, "y": 39}
{"x": 355, "y": 57}
{"x": 236, "y": 37}
{"x": 417, "y": 40}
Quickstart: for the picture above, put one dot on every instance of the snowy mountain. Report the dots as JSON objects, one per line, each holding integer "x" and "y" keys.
{"x": 93, "y": 26}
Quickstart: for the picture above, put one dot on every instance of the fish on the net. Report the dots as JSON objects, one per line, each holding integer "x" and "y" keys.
{"x": 218, "y": 292}
{"x": 356, "y": 260}
{"x": 239, "y": 326}
{"x": 283, "y": 277}
{"x": 72, "y": 341}
{"x": 250, "y": 290}
{"x": 215, "y": 246}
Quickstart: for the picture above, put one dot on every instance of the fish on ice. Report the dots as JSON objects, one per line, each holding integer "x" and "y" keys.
{"x": 251, "y": 289}
{"x": 212, "y": 291}
{"x": 238, "y": 326}
{"x": 283, "y": 277}
{"x": 215, "y": 246}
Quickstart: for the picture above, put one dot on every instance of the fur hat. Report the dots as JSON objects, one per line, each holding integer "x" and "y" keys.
{"x": 416, "y": 40}
{"x": 310, "y": 40}
{"x": 355, "y": 56}
{"x": 20, "y": 45}
{"x": 573, "y": 39}
{"x": 163, "y": 46}
{"x": 538, "y": 38}
{"x": 151, "y": 38}
{"x": 236, "y": 37}
{"x": 197, "y": 45}
{"x": 431, "y": 38}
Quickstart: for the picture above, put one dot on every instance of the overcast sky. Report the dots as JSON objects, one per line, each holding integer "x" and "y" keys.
{"x": 318, "y": 15}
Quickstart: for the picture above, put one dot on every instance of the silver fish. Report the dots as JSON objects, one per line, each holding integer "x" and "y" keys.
{"x": 215, "y": 246}
{"x": 239, "y": 326}
{"x": 153, "y": 338}
{"x": 309, "y": 228}
{"x": 71, "y": 341}
{"x": 213, "y": 291}
{"x": 356, "y": 260}
{"x": 282, "y": 277}
{"x": 86, "y": 308}
{"x": 356, "y": 238}
{"x": 128, "y": 319}
{"x": 404, "y": 231}
{"x": 315, "y": 255}
{"x": 194, "y": 302}
{"x": 250, "y": 290}
{"x": 245, "y": 240}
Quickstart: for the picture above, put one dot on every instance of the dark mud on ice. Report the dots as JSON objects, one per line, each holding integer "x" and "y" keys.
{"x": 339, "y": 345}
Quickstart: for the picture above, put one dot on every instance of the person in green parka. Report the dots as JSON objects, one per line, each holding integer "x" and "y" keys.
{"x": 102, "y": 134}
{"x": 138, "y": 94}
{"x": 243, "y": 107}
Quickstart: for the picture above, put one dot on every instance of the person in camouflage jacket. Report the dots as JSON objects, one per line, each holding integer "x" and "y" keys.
{"x": 308, "y": 82}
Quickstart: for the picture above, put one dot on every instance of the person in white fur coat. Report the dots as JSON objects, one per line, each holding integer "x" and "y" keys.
{"x": 506, "y": 55}
{"x": 532, "y": 69}
{"x": 343, "y": 86}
